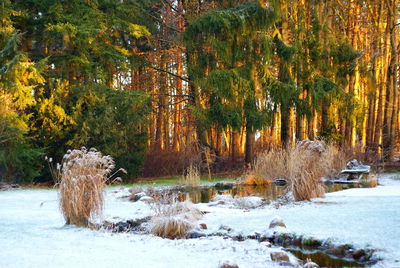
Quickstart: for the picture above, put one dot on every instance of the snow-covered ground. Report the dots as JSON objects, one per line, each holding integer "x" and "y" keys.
{"x": 359, "y": 216}
{"x": 32, "y": 234}
{"x": 32, "y": 231}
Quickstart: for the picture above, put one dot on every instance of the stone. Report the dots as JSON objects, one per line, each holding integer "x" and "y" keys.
{"x": 265, "y": 238}
{"x": 255, "y": 236}
{"x": 286, "y": 198}
{"x": 280, "y": 182}
{"x": 358, "y": 254}
{"x": 137, "y": 196}
{"x": 228, "y": 264}
{"x": 286, "y": 264}
{"x": 238, "y": 237}
{"x": 279, "y": 256}
{"x": 226, "y": 228}
{"x": 147, "y": 199}
{"x": 277, "y": 221}
{"x": 356, "y": 167}
{"x": 310, "y": 264}
{"x": 203, "y": 226}
{"x": 193, "y": 235}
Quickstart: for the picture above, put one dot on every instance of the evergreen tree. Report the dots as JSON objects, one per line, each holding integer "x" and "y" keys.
{"x": 230, "y": 49}
{"x": 19, "y": 78}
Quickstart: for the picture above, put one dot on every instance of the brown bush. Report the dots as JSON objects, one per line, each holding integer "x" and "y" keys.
{"x": 83, "y": 177}
{"x": 169, "y": 162}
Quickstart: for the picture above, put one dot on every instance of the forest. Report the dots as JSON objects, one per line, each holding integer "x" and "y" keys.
{"x": 162, "y": 84}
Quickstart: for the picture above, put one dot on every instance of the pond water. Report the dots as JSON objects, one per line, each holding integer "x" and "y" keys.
{"x": 324, "y": 260}
{"x": 204, "y": 194}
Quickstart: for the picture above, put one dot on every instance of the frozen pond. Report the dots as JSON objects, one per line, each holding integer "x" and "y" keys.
{"x": 32, "y": 231}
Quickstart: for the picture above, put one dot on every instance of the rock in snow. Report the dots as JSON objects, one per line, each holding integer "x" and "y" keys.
{"x": 228, "y": 264}
{"x": 279, "y": 256}
{"x": 277, "y": 221}
{"x": 147, "y": 199}
{"x": 310, "y": 264}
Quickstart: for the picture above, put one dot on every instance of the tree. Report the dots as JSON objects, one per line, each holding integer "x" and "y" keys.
{"x": 19, "y": 78}
{"x": 230, "y": 48}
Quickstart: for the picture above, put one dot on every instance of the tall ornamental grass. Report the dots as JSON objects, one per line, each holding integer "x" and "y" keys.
{"x": 82, "y": 181}
{"x": 303, "y": 165}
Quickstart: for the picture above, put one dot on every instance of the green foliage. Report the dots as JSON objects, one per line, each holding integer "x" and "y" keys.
{"x": 284, "y": 51}
{"x": 345, "y": 57}
{"x": 285, "y": 94}
{"x": 231, "y": 49}
{"x": 19, "y": 159}
{"x": 88, "y": 40}
{"x": 55, "y": 82}
{"x": 113, "y": 122}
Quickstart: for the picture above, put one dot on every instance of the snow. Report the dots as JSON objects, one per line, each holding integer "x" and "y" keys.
{"x": 359, "y": 216}
{"x": 33, "y": 234}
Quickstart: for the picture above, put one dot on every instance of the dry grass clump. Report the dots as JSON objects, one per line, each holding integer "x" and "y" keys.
{"x": 336, "y": 160}
{"x": 83, "y": 178}
{"x": 253, "y": 179}
{"x": 174, "y": 219}
{"x": 306, "y": 166}
{"x": 191, "y": 177}
{"x": 269, "y": 166}
{"x": 303, "y": 165}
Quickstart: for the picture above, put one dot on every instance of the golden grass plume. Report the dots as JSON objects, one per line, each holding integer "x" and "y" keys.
{"x": 83, "y": 178}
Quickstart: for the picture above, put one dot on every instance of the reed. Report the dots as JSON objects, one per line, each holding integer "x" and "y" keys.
{"x": 303, "y": 165}
{"x": 191, "y": 177}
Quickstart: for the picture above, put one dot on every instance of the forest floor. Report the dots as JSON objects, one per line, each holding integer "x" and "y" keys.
{"x": 33, "y": 234}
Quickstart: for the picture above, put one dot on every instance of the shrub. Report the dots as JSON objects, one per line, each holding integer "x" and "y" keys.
{"x": 83, "y": 178}
{"x": 173, "y": 220}
{"x": 113, "y": 121}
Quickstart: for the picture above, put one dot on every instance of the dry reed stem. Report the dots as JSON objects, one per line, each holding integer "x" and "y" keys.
{"x": 192, "y": 177}
{"x": 83, "y": 177}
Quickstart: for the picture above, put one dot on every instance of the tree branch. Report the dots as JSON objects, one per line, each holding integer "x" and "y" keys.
{"x": 170, "y": 73}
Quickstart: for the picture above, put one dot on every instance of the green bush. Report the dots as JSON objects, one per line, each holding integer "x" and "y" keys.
{"x": 113, "y": 121}
{"x": 19, "y": 160}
